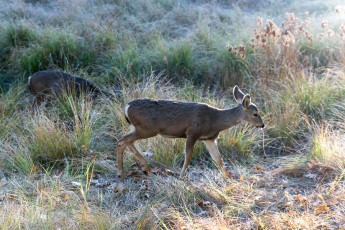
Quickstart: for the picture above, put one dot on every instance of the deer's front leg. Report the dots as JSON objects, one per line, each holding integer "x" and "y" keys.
{"x": 212, "y": 148}
{"x": 140, "y": 157}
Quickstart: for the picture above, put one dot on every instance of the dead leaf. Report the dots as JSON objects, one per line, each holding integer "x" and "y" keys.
{"x": 242, "y": 178}
{"x": 199, "y": 202}
{"x": 34, "y": 168}
{"x": 11, "y": 197}
{"x": 321, "y": 209}
{"x": 259, "y": 167}
{"x": 203, "y": 203}
{"x": 66, "y": 197}
{"x": 292, "y": 213}
{"x": 228, "y": 174}
{"x": 300, "y": 198}
{"x": 252, "y": 179}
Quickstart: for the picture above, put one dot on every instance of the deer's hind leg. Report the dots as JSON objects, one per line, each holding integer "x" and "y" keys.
{"x": 119, "y": 157}
{"x": 37, "y": 101}
{"x": 128, "y": 141}
{"x": 190, "y": 142}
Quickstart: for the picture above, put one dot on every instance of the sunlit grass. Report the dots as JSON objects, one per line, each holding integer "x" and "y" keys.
{"x": 327, "y": 146}
{"x": 58, "y": 163}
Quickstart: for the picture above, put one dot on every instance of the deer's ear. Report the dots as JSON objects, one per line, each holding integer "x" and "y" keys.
{"x": 238, "y": 94}
{"x": 246, "y": 101}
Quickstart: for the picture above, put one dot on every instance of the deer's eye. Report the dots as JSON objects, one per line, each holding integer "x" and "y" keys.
{"x": 255, "y": 115}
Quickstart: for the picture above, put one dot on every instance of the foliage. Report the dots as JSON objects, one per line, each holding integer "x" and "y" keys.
{"x": 58, "y": 162}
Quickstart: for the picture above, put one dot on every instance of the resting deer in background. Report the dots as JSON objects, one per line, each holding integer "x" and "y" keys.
{"x": 52, "y": 83}
{"x": 176, "y": 119}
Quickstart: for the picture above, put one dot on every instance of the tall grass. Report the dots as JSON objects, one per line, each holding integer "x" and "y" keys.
{"x": 49, "y": 140}
{"x": 57, "y": 164}
{"x": 302, "y": 100}
{"x": 56, "y": 49}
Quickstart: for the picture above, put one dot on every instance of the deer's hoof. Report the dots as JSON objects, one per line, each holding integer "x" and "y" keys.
{"x": 120, "y": 176}
{"x": 120, "y": 142}
{"x": 146, "y": 170}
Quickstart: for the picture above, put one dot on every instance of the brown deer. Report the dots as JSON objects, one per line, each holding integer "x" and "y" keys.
{"x": 176, "y": 119}
{"x": 52, "y": 83}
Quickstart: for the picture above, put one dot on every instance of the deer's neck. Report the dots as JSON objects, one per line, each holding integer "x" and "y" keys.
{"x": 229, "y": 117}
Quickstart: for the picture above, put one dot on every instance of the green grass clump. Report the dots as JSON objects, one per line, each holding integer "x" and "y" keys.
{"x": 12, "y": 101}
{"x": 180, "y": 62}
{"x": 53, "y": 138}
{"x": 284, "y": 119}
{"x": 123, "y": 61}
{"x": 315, "y": 97}
{"x": 232, "y": 70}
{"x": 18, "y": 35}
{"x": 51, "y": 141}
{"x": 56, "y": 49}
{"x": 300, "y": 101}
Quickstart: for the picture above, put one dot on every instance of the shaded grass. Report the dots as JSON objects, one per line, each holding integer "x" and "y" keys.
{"x": 59, "y": 163}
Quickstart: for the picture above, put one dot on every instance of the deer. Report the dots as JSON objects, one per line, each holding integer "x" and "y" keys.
{"x": 190, "y": 120}
{"x": 52, "y": 83}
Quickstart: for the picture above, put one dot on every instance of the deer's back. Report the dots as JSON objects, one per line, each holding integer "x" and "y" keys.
{"x": 49, "y": 82}
{"x": 171, "y": 118}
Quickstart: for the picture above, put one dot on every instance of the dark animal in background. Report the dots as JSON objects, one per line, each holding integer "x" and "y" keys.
{"x": 52, "y": 83}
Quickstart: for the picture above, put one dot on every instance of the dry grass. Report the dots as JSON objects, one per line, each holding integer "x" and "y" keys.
{"x": 57, "y": 166}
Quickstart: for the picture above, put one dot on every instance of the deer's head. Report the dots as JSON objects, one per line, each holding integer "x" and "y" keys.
{"x": 249, "y": 111}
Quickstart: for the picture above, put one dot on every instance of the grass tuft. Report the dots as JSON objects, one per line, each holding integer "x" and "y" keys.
{"x": 58, "y": 163}
{"x": 327, "y": 145}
